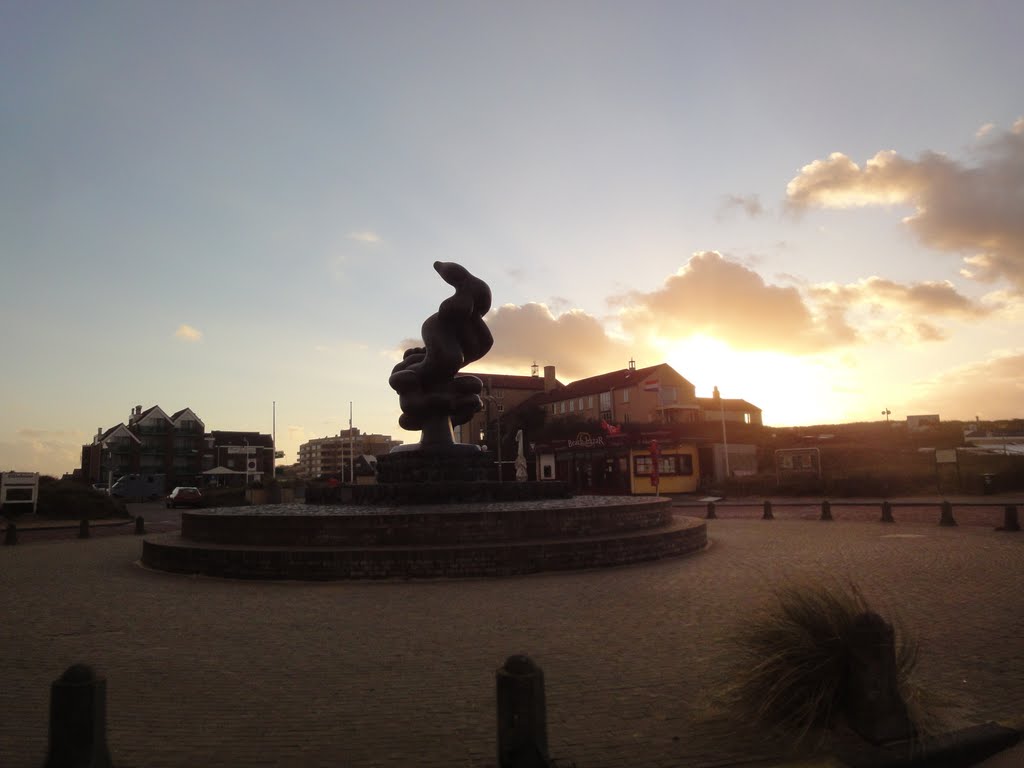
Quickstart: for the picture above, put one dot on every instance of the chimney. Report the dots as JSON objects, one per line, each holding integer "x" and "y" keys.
{"x": 549, "y": 378}
{"x": 715, "y": 394}
{"x": 632, "y": 364}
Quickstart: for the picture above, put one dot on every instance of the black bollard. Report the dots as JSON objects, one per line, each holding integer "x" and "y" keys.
{"x": 711, "y": 511}
{"x": 11, "y": 534}
{"x": 826, "y": 510}
{"x": 140, "y": 525}
{"x": 522, "y": 715}
{"x": 887, "y": 513}
{"x": 767, "y": 515}
{"x": 78, "y": 720}
{"x": 1010, "y": 522}
{"x": 947, "y": 514}
{"x": 83, "y": 529}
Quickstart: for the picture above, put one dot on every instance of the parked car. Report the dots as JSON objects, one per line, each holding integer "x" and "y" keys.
{"x": 184, "y": 496}
{"x": 101, "y": 487}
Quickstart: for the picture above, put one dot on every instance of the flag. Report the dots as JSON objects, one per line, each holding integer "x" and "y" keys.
{"x": 610, "y": 429}
{"x": 651, "y": 385}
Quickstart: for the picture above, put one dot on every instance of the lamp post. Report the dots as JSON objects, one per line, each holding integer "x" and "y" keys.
{"x": 497, "y": 403}
{"x": 725, "y": 440}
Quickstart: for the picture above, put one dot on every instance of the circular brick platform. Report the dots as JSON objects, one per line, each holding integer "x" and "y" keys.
{"x": 490, "y": 539}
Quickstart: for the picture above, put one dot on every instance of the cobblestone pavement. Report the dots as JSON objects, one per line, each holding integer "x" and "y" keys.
{"x": 225, "y": 673}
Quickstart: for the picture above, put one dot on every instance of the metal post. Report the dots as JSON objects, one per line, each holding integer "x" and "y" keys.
{"x": 826, "y": 510}
{"x": 1010, "y": 521}
{"x": 711, "y": 511}
{"x": 767, "y": 515}
{"x": 887, "y": 513}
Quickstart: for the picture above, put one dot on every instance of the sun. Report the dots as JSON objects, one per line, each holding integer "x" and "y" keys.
{"x": 789, "y": 390}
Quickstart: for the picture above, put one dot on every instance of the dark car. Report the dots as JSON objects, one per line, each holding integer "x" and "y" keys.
{"x": 185, "y": 496}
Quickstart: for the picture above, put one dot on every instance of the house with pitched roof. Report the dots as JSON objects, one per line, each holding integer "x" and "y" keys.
{"x": 177, "y": 446}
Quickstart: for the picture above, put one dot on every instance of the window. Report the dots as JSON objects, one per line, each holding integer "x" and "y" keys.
{"x": 590, "y": 401}
{"x": 746, "y": 418}
{"x": 667, "y": 465}
{"x": 606, "y": 401}
{"x": 625, "y": 395}
{"x": 572, "y": 406}
{"x": 581, "y": 404}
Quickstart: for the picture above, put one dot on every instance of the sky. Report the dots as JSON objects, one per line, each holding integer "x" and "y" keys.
{"x": 234, "y": 207}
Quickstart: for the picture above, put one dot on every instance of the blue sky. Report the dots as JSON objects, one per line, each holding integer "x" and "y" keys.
{"x": 223, "y": 205}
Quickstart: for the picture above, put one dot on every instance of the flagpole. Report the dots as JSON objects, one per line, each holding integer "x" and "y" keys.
{"x": 351, "y": 448}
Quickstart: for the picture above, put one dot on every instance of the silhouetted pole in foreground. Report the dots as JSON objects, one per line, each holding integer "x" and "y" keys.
{"x": 826, "y": 510}
{"x": 1010, "y": 522}
{"x": 947, "y": 514}
{"x": 887, "y": 513}
{"x": 78, "y": 720}
{"x": 522, "y": 715}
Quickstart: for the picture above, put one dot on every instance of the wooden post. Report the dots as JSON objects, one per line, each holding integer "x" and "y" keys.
{"x": 887, "y": 513}
{"x": 826, "y": 510}
{"x": 1010, "y": 521}
{"x": 946, "y": 518}
{"x": 78, "y": 720}
{"x": 522, "y": 715}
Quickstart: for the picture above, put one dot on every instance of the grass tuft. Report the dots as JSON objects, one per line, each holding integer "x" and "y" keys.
{"x": 793, "y": 657}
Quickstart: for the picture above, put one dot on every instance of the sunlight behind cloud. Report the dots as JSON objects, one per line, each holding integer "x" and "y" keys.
{"x": 789, "y": 390}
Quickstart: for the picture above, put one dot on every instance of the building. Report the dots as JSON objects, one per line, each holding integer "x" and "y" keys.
{"x": 503, "y": 393}
{"x": 332, "y": 455}
{"x": 177, "y": 446}
{"x": 597, "y": 433}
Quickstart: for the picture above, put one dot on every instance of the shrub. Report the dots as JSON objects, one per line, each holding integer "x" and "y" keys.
{"x": 73, "y": 500}
{"x": 793, "y": 663}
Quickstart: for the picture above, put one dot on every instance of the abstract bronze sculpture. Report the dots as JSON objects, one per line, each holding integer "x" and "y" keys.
{"x": 432, "y": 396}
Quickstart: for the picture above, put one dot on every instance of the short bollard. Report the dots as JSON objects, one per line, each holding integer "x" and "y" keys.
{"x": 78, "y": 720}
{"x": 711, "y": 511}
{"x": 83, "y": 529}
{"x": 947, "y": 514}
{"x": 826, "y": 510}
{"x": 11, "y": 534}
{"x": 1010, "y": 521}
{"x": 767, "y": 515}
{"x": 140, "y": 525}
{"x": 522, "y": 715}
{"x": 887, "y": 513}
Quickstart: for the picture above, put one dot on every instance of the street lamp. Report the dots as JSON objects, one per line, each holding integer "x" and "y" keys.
{"x": 498, "y": 404}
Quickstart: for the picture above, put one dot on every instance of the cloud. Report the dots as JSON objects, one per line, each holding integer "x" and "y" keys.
{"x": 188, "y": 333}
{"x": 991, "y": 389}
{"x": 51, "y": 452}
{"x": 574, "y": 341}
{"x": 717, "y": 297}
{"x": 749, "y": 204}
{"x": 978, "y": 209}
{"x": 984, "y": 130}
{"x": 366, "y": 236}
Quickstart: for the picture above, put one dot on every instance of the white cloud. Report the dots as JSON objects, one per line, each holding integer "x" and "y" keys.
{"x": 366, "y": 236}
{"x": 973, "y": 209}
{"x": 186, "y": 332}
{"x": 991, "y": 388}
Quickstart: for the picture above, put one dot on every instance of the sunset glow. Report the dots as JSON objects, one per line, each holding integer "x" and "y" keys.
{"x": 207, "y": 214}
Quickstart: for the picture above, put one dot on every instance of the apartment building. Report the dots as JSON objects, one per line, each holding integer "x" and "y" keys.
{"x": 176, "y": 445}
{"x": 332, "y": 455}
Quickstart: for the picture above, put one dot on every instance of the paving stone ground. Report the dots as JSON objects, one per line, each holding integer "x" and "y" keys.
{"x": 208, "y": 672}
